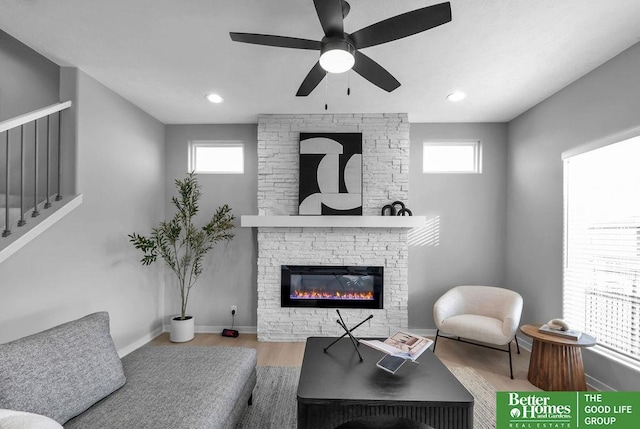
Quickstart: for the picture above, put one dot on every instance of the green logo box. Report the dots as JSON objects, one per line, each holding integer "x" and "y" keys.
{"x": 551, "y": 410}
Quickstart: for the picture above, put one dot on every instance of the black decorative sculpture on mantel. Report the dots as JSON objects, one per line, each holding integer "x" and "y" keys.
{"x": 388, "y": 210}
{"x": 391, "y": 210}
{"x": 404, "y": 212}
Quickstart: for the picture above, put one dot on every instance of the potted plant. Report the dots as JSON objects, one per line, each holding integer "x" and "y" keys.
{"x": 183, "y": 246}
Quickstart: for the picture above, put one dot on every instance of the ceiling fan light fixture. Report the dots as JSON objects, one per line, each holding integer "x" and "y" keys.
{"x": 337, "y": 56}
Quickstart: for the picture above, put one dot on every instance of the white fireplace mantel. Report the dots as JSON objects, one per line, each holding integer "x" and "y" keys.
{"x": 333, "y": 221}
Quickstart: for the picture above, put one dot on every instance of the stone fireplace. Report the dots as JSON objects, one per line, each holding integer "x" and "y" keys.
{"x": 385, "y": 178}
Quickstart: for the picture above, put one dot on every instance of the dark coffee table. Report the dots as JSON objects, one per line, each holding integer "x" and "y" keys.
{"x": 335, "y": 387}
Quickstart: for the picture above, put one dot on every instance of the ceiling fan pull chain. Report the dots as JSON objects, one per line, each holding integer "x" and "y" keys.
{"x": 326, "y": 90}
{"x": 349, "y": 82}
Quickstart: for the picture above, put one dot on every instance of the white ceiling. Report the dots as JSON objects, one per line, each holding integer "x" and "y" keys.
{"x": 165, "y": 55}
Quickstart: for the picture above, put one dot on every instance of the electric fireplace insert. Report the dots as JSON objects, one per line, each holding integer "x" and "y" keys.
{"x": 332, "y": 286}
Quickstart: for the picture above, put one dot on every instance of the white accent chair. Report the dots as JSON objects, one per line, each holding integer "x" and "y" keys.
{"x": 484, "y": 314}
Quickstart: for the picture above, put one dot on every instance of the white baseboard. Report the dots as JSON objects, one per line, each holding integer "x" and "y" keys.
{"x": 218, "y": 329}
{"x": 205, "y": 329}
{"x": 141, "y": 342}
{"x": 524, "y": 343}
{"x": 598, "y": 385}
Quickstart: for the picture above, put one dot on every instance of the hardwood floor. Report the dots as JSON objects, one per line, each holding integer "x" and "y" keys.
{"x": 269, "y": 354}
{"x": 492, "y": 365}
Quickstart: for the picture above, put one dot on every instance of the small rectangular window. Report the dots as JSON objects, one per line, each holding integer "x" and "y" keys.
{"x": 214, "y": 157}
{"x": 451, "y": 157}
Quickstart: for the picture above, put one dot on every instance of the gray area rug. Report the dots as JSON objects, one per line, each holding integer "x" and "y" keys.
{"x": 484, "y": 406}
{"x": 274, "y": 398}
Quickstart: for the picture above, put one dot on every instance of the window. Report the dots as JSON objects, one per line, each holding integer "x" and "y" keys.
{"x": 451, "y": 157}
{"x": 214, "y": 157}
{"x": 601, "y": 284}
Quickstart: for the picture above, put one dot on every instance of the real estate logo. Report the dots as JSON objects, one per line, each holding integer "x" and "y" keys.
{"x": 538, "y": 409}
{"x": 547, "y": 410}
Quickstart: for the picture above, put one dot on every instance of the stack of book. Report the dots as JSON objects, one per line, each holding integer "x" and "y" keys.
{"x": 569, "y": 333}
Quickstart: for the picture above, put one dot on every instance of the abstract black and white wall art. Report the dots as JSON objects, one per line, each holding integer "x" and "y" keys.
{"x": 330, "y": 174}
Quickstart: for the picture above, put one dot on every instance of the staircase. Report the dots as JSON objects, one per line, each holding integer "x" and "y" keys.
{"x": 31, "y": 171}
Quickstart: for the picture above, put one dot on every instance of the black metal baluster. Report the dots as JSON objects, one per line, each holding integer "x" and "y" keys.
{"x": 22, "y": 221}
{"x": 35, "y": 175}
{"x": 47, "y": 204}
{"x": 6, "y": 231}
{"x": 59, "y": 196}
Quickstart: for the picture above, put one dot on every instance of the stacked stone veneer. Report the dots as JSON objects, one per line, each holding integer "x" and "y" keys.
{"x": 385, "y": 178}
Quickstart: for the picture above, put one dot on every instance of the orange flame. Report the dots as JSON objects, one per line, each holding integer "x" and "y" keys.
{"x": 313, "y": 294}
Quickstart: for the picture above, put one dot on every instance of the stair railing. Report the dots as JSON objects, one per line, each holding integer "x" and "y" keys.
{"x": 10, "y": 126}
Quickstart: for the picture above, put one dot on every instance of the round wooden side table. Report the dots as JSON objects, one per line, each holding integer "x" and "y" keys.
{"x": 556, "y": 362}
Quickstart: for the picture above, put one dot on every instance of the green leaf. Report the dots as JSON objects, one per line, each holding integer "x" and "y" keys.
{"x": 180, "y": 244}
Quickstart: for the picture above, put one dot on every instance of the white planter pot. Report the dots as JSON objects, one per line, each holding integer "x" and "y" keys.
{"x": 181, "y": 330}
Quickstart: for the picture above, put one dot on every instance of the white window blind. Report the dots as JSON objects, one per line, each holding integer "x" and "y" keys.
{"x": 602, "y": 246}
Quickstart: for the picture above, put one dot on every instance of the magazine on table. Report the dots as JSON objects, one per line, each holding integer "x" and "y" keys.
{"x": 572, "y": 334}
{"x": 401, "y": 344}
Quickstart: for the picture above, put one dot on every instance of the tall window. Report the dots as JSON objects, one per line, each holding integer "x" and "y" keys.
{"x": 602, "y": 247}
{"x": 216, "y": 157}
{"x": 451, "y": 157}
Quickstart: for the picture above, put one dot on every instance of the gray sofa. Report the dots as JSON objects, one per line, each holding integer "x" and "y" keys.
{"x": 72, "y": 374}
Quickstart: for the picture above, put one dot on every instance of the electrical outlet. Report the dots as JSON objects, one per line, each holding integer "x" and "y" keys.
{"x": 234, "y": 309}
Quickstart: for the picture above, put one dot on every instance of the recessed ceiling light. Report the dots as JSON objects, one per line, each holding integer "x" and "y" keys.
{"x": 214, "y": 98}
{"x": 456, "y": 96}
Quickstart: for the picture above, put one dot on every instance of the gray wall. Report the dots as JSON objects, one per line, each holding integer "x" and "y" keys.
{"x": 28, "y": 81}
{"x": 230, "y": 274}
{"x": 468, "y": 212}
{"x": 603, "y": 102}
{"x": 84, "y": 263}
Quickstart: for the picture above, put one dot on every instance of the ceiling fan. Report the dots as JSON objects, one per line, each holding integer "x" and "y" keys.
{"x": 340, "y": 51}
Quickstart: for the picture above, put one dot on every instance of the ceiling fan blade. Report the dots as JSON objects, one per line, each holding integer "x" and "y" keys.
{"x": 278, "y": 41}
{"x": 330, "y": 15}
{"x": 312, "y": 80}
{"x": 404, "y": 25}
{"x": 374, "y": 72}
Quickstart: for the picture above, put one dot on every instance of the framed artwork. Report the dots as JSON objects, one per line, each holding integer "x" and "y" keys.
{"x": 330, "y": 174}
